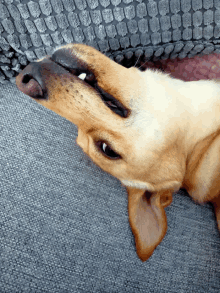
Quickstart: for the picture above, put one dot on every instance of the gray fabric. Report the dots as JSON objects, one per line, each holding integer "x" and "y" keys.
{"x": 123, "y": 29}
{"x": 64, "y": 224}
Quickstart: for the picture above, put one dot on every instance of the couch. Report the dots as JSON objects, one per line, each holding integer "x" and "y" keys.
{"x": 63, "y": 221}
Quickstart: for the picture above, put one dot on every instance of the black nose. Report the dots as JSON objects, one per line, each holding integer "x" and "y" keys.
{"x": 31, "y": 81}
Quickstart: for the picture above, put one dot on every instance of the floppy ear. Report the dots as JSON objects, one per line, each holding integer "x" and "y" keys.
{"x": 147, "y": 218}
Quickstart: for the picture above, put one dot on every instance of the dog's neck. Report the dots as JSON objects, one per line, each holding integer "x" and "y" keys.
{"x": 193, "y": 107}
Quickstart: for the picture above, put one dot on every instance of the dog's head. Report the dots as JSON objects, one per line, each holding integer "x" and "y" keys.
{"x": 118, "y": 127}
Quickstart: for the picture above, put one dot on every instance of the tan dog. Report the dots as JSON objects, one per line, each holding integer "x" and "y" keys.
{"x": 154, "y": 133}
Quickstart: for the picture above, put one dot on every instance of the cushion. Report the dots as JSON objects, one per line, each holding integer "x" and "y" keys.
{"x": 63, "y": 221}
{"x": 126, "y": 30}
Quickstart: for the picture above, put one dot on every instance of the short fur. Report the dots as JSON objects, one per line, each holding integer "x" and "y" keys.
{"x": 168, "y": 139}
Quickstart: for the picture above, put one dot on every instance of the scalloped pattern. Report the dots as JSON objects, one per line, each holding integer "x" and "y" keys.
{"x": 122, "y": 29}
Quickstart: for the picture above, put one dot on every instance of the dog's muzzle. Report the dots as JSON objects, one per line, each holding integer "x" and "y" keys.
{"x": 32, "y": 81}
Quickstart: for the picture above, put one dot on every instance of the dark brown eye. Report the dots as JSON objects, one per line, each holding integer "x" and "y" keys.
{"x": 107, "y": 150}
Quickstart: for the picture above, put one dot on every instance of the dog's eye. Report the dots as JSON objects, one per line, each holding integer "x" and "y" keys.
{"x": 107, "y": 150}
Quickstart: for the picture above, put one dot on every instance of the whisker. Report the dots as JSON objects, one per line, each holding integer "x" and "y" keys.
{"x": 142, "y": 64}
{"x": 137, "y": 60}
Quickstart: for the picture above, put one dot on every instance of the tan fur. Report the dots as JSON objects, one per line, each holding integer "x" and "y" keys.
{"x": 169, "y": 140}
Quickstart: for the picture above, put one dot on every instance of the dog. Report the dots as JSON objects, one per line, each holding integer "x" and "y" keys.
{"x": 155, "y": 133}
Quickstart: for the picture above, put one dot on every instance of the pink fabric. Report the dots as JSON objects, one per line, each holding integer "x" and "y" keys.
{"x": 189, "y": 69}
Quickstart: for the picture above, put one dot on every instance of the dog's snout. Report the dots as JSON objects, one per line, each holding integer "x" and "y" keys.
{"x": 27, "y": 78}
{"x": 29, "y": 86}
{"x": 30, "y": 81}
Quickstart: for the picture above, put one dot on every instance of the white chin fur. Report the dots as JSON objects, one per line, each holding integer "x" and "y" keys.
{"x": 172, "y": 185}
{"x": 138, "y": 184}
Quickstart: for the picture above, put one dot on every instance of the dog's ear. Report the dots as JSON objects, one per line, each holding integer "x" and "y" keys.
{"x": 147, "y": 218}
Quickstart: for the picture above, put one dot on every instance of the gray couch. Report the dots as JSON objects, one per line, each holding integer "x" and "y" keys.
{"x": 63, "y": 221}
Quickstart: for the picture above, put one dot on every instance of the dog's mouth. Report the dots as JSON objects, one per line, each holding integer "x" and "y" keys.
{"x": 81, "y": 70}
{"x": 32, "y": 80}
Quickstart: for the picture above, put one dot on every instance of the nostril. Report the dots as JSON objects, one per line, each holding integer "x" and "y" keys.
{"x": 31, "y": 80}
{"x": 29, "y": 86}
{"x": 27, "y": 78}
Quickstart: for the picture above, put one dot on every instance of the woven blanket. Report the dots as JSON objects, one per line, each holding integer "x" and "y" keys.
{"x": 63, "y": 221}
{"x": 125, "y": 30}
{"x": 64, "y": 224}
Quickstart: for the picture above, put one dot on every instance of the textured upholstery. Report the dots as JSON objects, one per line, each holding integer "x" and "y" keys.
{"x": 123, "y": 29}
{"x": 64, "y": 224}
{"x": 63, "y": 221}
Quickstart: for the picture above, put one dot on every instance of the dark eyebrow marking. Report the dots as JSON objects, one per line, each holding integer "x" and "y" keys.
{"x": 91, "y": 130}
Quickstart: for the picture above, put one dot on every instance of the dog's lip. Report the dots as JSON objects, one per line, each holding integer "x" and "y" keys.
{"x": 61, "y": 65}
{"x": 108, "y": 99}
{"x": 84, "y": 75}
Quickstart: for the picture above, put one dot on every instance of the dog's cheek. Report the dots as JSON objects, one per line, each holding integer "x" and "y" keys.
{"x": 82, "y": 140}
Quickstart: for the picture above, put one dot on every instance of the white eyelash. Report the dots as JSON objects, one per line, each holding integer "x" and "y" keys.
{"x": 82, "y": 76}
